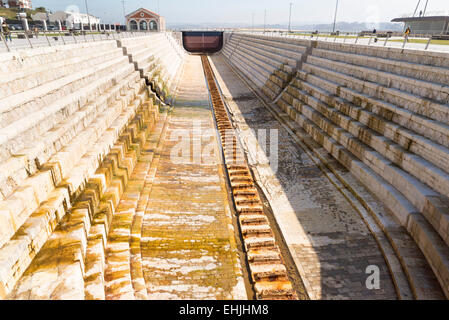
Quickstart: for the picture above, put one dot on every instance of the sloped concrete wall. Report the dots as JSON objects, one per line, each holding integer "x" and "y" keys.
{"x": 70, "y": 118}
{"x": 381, "y": 112}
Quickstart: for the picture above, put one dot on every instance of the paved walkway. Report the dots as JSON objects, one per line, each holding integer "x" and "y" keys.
{"x": 328, "y": 240}
{"x": 177, "y": 215}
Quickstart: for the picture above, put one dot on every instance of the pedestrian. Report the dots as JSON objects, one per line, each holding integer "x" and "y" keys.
{"x": 6, "y": 31}
{"x": 375, "y": 36}
{"x": 407, "y": 33}
{"x": 36, "y": 32}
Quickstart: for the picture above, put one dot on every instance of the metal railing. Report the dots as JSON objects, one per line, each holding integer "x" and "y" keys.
{"x": 379, "y": 40}
{"x": 29, "y": 40}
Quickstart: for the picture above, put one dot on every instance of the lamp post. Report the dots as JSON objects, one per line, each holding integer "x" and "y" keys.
{"x": 290, "y": 18}
{"x": 425, "y": 8}
{"x": 88, "y": 16}
{"x": 265, "y": 21}
{"x": 252, "y": 22}
{"x": 419, "y": 1}
{"x": 124, "y": 14}
{"x": 335, "y": 18}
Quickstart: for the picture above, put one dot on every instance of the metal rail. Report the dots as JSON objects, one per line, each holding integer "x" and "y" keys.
{"x": 266, "y": 265}
{"x": 393, "y": 40}
{"x": 29, "y": 40}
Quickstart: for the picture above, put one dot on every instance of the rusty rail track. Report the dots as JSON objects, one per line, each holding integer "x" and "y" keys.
{"x": 267, "y": 268}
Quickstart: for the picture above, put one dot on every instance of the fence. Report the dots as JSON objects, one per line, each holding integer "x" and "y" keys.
{"x": 385, "y": 40}
{"x": 24, "y": 40}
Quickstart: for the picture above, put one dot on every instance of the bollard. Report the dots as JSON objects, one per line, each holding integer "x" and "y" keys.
{"x": 5, "y": 42}
{"x": 428, "y": 43}
{"x": 46, "y": 36}
{"x": 62, "y": 37}
{"x": 405, "y": 41}
{"x": 74, "y": 38}
{"x": 29, "y": 42}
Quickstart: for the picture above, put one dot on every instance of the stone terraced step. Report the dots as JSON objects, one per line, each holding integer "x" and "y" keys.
{"x": 161, "y": 50}
{"x": 24, "y": 79}
{"x": 287, "y": 46}
{"x": 396, "y": 55}
{"x": 256, "y": 73}
{"x": 276, "y": 54}
{"x": 431, "y": 244}
{"x": 16, "y": 135}
{"x": 275, "y": 72}
{"x": 401, "y": 140}
{"x": 413, "y": 94}
{"x": 383, "y": 115}
{"x": 64, "y": 167}
{"x": 265, "y": 61}
{"x": 19, "y": 63}
{"x": 430, "y": 203}
{"x": 84, "y": 238}
{"x": 328, "y": 91}
{"x": 16, "y": 106}
{"x": 250, "y": 72}
{"x": 424, "y": 80}
{"x": 27, "y": 160}
{"x": 25, "y": 234}
{"x": 432, "y": 129}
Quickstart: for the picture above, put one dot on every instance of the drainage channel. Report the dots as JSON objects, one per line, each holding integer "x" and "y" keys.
{"x": 265, "y": 262}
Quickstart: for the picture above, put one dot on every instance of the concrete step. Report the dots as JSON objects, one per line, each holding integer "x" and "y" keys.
{"x": 270, "y": 50}
{"x": 432, "y": 129}
{"x": 278, "y": 76}
{"x": 429, "y": 202}
{"x": 27, "y": 78}
{"x": 397, "y": 55}
{"x": 31, "y": 127}
{"x": 269, "y": 61}
{"x": 418, "y": 96}
{"x": 15, "y": 65}
{"x": 14, "y": 107}
{"x": 408, "y": 139}
{"x": 41, "y": 152}
{"x": 87, "y": 245}
{"x": 431, "y": 244}
{"x": 276, "y": 42}
{"x": 428, "y": 81}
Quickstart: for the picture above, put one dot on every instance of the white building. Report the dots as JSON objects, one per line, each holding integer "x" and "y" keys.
{"x": 75, "y": 20}
{"x": 22, "y": 4}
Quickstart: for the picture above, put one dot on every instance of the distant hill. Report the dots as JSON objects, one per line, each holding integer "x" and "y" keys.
{"x": 352, "y": 26}
{"x": 341, "y": 26}
{"x": 11, "y": 13}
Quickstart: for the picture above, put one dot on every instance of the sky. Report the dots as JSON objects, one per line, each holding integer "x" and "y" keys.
{"x": 242, "y": 11}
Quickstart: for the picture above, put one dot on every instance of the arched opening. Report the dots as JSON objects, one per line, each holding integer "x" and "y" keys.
{"x": 133, "y": 25}
{"x": 143, "y": 25}
{"x": 153, "y": 25}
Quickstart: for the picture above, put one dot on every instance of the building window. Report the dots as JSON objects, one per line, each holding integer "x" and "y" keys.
{"x": 143, "y": 25}
{"x": 153, "y": 25}
{"x": 133, "y": 25}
